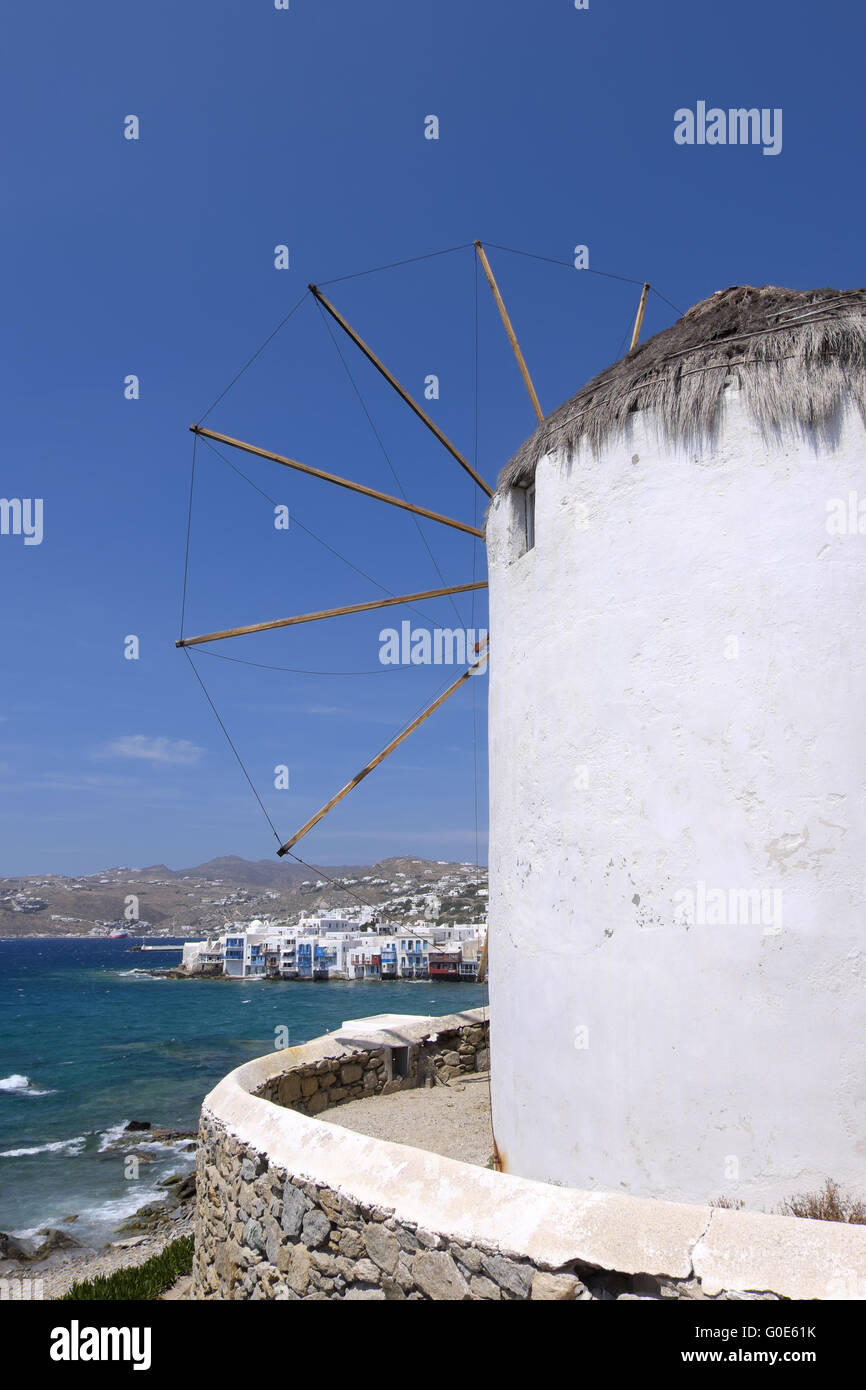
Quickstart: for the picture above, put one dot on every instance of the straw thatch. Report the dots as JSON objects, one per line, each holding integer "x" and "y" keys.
{"x": 795, "y": 355}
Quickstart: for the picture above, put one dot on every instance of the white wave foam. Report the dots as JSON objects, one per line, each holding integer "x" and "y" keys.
{"x": 110, "y": 1136}
{"x": 70, "y": 1146}
{"x": 167, "y": 1147}
{"x": 97, "y": 1222}
{"x": 117, "y": 1208}
{"x": 16, "y": 1084}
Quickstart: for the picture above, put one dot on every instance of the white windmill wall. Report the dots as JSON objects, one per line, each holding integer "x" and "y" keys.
{"x": 637, "y": 751}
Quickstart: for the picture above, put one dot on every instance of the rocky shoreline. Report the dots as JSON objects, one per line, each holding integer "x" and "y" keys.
{"x": 46, "y": 1267}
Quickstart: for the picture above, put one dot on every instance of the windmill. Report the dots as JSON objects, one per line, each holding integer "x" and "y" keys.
{"x": 481, "y": 653}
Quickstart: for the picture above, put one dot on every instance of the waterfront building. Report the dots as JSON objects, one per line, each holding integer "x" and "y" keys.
{"x": 413, "y": 957}
{"x": 444, "y": 963}
{"x": 326, "y": 947}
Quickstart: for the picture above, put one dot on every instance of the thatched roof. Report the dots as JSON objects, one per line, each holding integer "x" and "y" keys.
{"x": 795, "y": 353}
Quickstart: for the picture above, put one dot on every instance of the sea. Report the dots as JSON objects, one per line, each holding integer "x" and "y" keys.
{"x": 90, "y": 1040}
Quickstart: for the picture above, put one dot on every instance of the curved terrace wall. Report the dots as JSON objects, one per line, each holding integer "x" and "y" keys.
{"x": 289, "y": 1207}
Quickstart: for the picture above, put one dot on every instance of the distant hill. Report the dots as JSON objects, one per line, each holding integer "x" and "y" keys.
{"x": 207, "y": 896}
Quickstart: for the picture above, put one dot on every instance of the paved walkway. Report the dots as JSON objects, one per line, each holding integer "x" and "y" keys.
{"x": 452, "y": 1120}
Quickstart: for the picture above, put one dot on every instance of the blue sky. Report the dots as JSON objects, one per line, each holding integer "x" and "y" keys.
{"x": 156, "y": 257}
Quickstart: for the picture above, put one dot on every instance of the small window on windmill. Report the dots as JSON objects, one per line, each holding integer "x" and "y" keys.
{"x": 529, "y": 517}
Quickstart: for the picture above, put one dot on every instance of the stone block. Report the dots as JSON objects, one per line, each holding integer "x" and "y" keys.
{"x": 294, "y": 1264}
{"x": 555, "y": 1286}
{"x": 315, "y": 1229}
{"x": 253, "y": 1236}
{"x": 484, "y": 1289}
{"x": 309, "y": 1084}
{"x": 468, "y": 1256}
{"x": 323, "y": 1262}
{"x": 513, "y": 1278}
{"x": 351, "y": 1073}
{"x": 351, "y": 1244}
{"x": 438, "y": 1277}
{"x": 295, "y": 1208}
{"x": 330, "y": 1203}
{"x": 273, "y": 1239}
{"x": 289, "y": 1089}
{"x": 382, "y": 1247}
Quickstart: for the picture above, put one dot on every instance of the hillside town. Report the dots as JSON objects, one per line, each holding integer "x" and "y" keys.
{"x": 332, "y": 945}
{"x": 200, "y": 901}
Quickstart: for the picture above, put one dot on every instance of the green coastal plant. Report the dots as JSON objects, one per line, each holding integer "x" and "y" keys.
{"x": 144, "y": 1281}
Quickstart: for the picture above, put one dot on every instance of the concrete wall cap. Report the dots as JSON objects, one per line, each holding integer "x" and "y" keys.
{"x": 551, "y": 1226}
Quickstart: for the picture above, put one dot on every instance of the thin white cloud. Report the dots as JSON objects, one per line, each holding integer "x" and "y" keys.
{"x": 155, "y": 750}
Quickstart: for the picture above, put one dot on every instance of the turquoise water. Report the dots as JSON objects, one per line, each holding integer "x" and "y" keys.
{"x": 89, "y": 1042}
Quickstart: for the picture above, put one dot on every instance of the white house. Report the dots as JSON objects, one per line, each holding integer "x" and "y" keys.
{"x": 201, "y": 955}
{"x": 413, "y": 951}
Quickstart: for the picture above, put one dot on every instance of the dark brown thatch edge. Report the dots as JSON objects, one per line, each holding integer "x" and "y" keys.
{"x": 796, "y": 355}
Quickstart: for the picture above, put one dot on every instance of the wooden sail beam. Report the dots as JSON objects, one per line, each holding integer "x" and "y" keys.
{"x": 506, "y": 322}
{"x": 380, "y": 757}
{"x": 401, "y": 391}
{"x": 639, "y": 317}
{"x": 340, "y": 482}
{"x": 328, "y": 613}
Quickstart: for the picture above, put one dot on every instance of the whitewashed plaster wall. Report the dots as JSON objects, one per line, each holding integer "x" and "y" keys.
{"x": 678, "y": 696}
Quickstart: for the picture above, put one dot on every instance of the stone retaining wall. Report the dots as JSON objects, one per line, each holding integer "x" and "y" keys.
{"x": 315, "y": 1086}
{"x": 290, "y": 1208}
